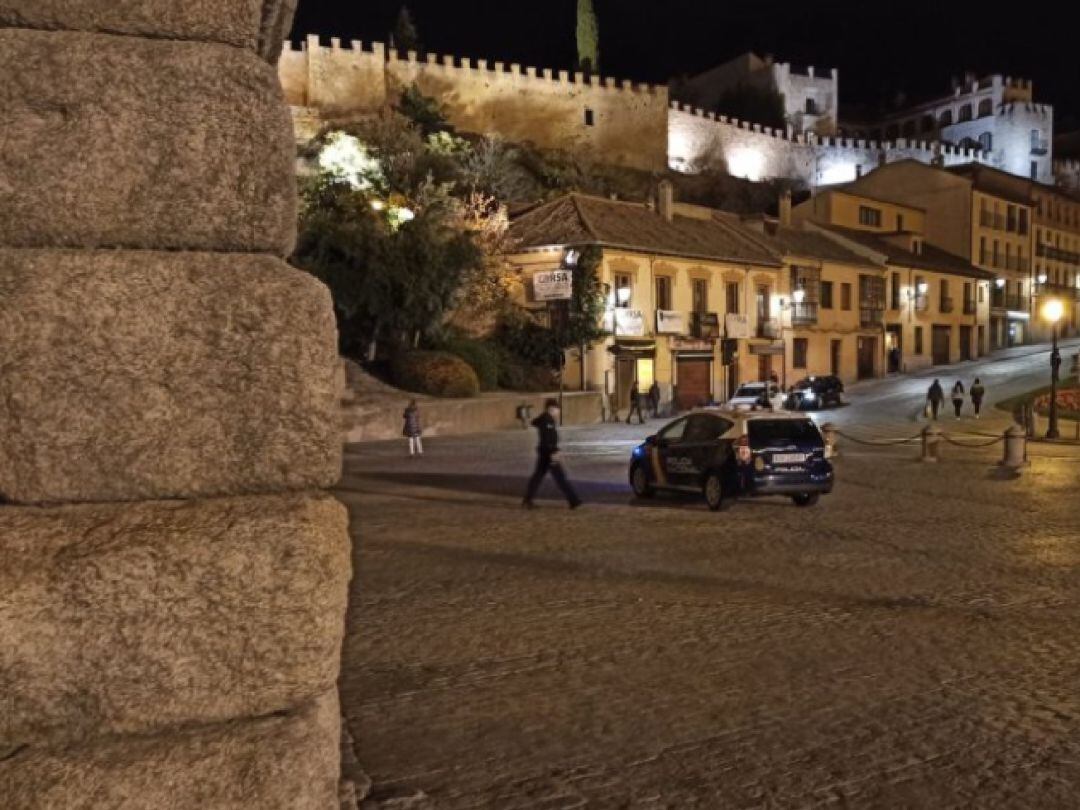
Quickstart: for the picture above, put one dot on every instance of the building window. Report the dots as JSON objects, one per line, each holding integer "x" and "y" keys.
{"x": 1010, "y": 218}
{"x": 982, "y": 250}
{"x": 1034, "y": 170}
{"x": 894, "y": 291}
{"x": 986, "y": 107}
{"x": 945, "y": 302}
{"x": 965, "y": 113}
{"x": 945, "y": 119}
{"x": 871, "y": 217}
{"x": 811, "y": 106}
{"x": 826, "y": 295}
{"x": 982, "y": 294}
{"x": 986, "y": 141}
{"x": 997, "y": 253}
{"x": 623, "y": 290}
{"x": 732, "y": 293}
{"x": 798, "y": 352}
{"x": 590, "y": 117}
{"x": 918, "y": 340}
{"x": 1023, "y": 221}
{"x": 845, "y": 297}
{"x": 899, "y": 222}
{"x": 663, "y": 292}
{"x": 701, "y": 295}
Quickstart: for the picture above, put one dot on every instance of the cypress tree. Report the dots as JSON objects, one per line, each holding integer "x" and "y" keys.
{"x": 405, "y": 35}
{"x": 588, "y": 37}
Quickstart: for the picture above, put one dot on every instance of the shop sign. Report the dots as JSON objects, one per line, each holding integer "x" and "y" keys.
{"x": 670, "y": 322}
{"x": 737, "y": 326}
{"x": 553, "y": 285}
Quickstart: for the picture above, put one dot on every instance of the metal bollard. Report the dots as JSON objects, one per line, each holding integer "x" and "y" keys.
{"x": 1015, "y": 447}
{"x": 931, "y": 444}
{"x": 828, "y": 430}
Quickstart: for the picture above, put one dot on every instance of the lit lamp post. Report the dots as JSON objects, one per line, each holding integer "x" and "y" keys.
{"x": 1052, "y": 312}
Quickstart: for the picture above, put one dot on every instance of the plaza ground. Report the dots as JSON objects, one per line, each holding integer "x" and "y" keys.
{"x": 910, "y": 642}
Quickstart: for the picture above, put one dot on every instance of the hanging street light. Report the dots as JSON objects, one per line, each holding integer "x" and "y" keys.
{"x": 1052, "y": 311}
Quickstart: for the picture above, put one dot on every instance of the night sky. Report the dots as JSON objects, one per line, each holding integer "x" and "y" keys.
{"x": 880, "y": 50}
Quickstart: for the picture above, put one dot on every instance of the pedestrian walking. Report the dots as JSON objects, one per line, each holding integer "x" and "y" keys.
{"x": 977, "y": 392}
{"x": 413, "y": 430}
{"x": 934, "y": 399}
{"x": 958, "y": 398}
{"x": 547, "y": 457}
{"x": 654, "y": 399}
{"x": 635, "y": 404}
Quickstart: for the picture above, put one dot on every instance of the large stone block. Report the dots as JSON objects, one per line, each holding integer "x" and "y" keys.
{"x": 133, "y": 618}
{"x": 286, "y": 762}
{"x": 254, "y": 24}
{"x": 130, "y": 375}
{"x": 125, "y": 142}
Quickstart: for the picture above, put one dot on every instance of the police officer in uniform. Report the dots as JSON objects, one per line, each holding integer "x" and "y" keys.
{"x": 547, "y": 457}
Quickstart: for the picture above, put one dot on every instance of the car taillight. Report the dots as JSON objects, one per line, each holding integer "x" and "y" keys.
{"x": 742, "y": 450}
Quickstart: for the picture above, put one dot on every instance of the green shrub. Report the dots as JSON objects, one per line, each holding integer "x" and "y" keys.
{"x": 440, "y": 374}
{"x": 481, "y": 356}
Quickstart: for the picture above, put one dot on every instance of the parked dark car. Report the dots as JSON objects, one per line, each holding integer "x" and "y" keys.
{"x": 724, "y": 454}
{"x": 813, "y": 393}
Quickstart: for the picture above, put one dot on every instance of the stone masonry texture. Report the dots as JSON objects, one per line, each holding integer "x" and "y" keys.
{"x": 190, "y": 374}
{"x": 253, "y": 24}
{"x": 115, "y": 141}
{"x": 102, "y": 631}
{"x": 287, "y": 761}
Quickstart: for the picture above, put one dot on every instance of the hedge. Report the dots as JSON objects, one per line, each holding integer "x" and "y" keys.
{"x": 440, "y": 374}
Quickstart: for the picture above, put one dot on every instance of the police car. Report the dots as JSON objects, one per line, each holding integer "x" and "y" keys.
{"x": 724, "y": 454}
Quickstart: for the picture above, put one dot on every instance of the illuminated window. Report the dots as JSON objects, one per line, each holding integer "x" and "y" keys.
{"x": 623, "y": 290}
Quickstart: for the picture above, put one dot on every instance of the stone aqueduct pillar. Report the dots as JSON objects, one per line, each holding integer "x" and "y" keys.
{"x": 172, "y": 580}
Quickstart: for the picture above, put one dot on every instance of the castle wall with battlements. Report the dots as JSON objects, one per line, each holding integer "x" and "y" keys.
{"x": 699, "y": 140}
{"x": 635, "y": 125}
{"x": 624, "y": 122}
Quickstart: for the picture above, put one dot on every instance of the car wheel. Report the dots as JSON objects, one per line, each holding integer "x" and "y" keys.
{"x": 713, "y": 489}
{"x": 639, "y": 482}
{"x": 806, "y": 499}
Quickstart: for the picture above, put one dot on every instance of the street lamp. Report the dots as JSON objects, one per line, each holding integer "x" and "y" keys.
{"x": 1052, "y": 311}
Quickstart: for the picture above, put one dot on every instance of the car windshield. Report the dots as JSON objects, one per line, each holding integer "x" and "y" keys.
{"x": 750, "y": 391}
{"x": 784, "y": 433}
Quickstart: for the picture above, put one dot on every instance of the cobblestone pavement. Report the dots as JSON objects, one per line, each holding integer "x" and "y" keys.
{"x": 909, "y": 643}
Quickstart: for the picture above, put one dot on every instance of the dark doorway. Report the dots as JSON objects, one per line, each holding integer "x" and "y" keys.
{"x": 940, "y": 347}
{"x": 867, "y": 352}
{"x": 835, "y": 348}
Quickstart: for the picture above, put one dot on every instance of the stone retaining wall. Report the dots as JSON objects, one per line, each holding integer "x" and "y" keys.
{"x": 172, "y": 581}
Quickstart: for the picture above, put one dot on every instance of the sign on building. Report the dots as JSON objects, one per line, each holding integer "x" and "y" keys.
{"x": 629, "y": 322}
{"x": 670, "y": 322}
{"x": 553, "y": 285}
{"x": 737, "y": 326}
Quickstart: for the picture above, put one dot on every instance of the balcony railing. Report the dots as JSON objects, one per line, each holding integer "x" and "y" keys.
{"x": 1056, "y": 254}
{"x": 704, "y": 325}
{"x": 768, "y": 328}
{"x": 804, "y": 313}
{"x": 945, "y": 305}
{"x": 1015, "y": 303}
{"x": 969, "y": 306}
{"x": 922, "y": 302}
{"x": 1040, "y": 146}
{"x": 871, "y": 317}
{"x": 1062, "y": 290}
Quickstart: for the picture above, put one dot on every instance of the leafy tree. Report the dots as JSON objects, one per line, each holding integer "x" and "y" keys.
{"x": 423, "y": 111}
{"x": 394, "y": 270}
{"x": 405, "y": 36}
{"x": 588, "y": 37}
{"x": 583, "y": 322}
